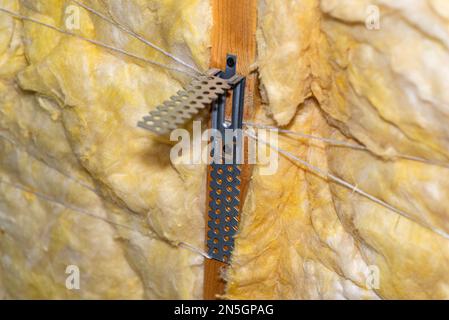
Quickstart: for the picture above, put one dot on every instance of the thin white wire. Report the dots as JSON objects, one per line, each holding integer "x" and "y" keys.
{"x": 98, "y": 43}
{"x": 137, "y": 36}
{"x": 353, "y": 188}
{"x": 184, "y": 245}
{"x": 79, "y": 182}
{"x": 307, "y": 136}
{"x": 194, "y": 249}
{"x": 65, "y": 205}
{"x": 343, "y": 143}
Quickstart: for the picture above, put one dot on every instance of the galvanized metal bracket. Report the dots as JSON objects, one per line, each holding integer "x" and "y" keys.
{"x": 225, "y": 169}
{"x": 227, "y": 148}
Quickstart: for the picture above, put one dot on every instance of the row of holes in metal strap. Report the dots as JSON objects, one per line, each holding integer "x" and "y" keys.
{"x": 223, "y": 225}
{"x": 182, "y": 107}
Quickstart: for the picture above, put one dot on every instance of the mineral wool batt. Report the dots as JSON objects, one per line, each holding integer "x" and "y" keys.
{"x": 81, "y": 185}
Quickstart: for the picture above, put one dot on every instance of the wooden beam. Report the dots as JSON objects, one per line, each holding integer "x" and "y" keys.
{"x": 234, "y": 32}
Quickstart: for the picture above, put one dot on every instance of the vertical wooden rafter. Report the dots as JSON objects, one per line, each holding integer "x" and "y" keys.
{"x": 234, "y": 31}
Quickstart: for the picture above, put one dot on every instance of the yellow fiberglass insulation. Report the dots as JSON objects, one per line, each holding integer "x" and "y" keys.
{"x": 81, "y": 185}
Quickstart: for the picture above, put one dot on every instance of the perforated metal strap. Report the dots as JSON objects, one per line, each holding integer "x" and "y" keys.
{"x": 223, "y": 210}
{"x": 224, "y": 205}
{"x": 180, "y": 109}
